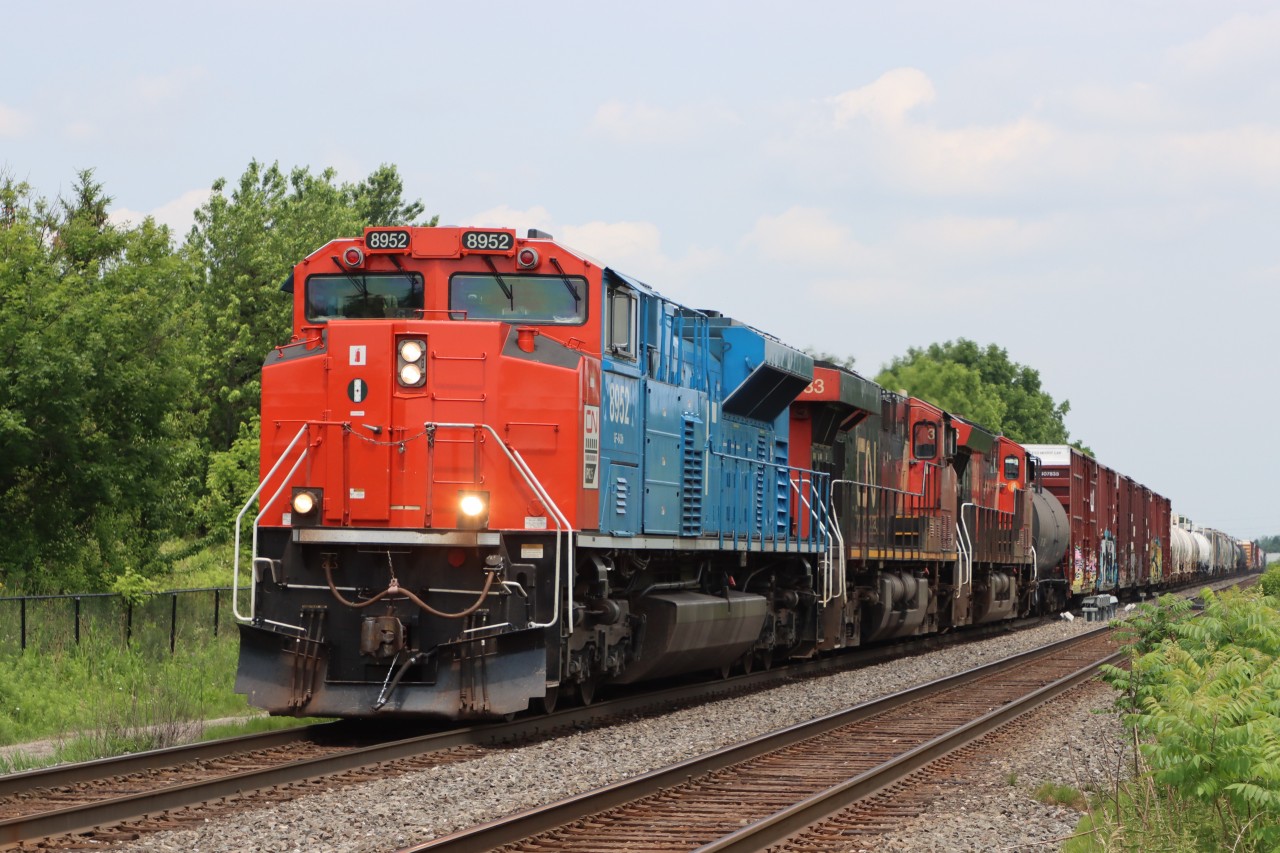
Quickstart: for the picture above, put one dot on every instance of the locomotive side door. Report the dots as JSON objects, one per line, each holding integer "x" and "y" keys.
{"x": 361, "y": 372}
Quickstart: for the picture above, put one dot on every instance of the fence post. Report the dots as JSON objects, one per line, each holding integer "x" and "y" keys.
{"x": 23, "y": 609}
{"x": 77, "y": 620}
{"x": 173, "y": 623}
{"x": 217, "y": 599}
{"x": 128, "y": 622}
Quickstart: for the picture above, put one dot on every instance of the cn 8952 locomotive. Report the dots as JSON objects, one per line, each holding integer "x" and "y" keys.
{"x": 496, "y": 474}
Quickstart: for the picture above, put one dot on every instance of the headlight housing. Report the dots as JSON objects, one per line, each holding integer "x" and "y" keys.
{"x": 305, "y": 504}
{"x": 473, "y": 510}
{"x": 411, "y": 362}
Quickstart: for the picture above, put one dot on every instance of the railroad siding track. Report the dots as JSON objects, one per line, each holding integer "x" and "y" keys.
{"x": 748, "y": 796}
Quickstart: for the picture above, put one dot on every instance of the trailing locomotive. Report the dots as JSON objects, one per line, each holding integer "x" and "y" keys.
{"x": 495, "y": 472}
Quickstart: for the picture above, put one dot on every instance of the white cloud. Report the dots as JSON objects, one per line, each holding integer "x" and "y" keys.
{"x": 13, "y": 123}
{"x": 969, "y": 235}
{"x": 886, "y": 101}
{"x": 929, "y": 159}
{"x": 1134, "y": 104}
{"x": 803, "y": 235}
{"x": 647, "y": 124}
{"x": 81, "y": 130}
{"x": 503, "y": 216}
{"x": 159, "y": 89}
{"x": 178, "y": 214}
{"x": 616, "y": 242}
{"x": 1247, "y": 155}
{"x": 1240, "y": 42}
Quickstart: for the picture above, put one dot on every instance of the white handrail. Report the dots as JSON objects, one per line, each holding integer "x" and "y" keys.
{"x": 235, "y": 565}
{"x": 563, "y": 526}
{"x": 564, "y": 529}
{"x": 833, "y": 535}
{"x": 967, "y": 565}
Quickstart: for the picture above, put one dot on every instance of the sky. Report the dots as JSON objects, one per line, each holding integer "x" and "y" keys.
{"x": 1093, "y": 186}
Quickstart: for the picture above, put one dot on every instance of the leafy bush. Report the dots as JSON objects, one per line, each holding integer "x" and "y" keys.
{"x": 1270, "y": 581}
{"x": 1204, "y": 696}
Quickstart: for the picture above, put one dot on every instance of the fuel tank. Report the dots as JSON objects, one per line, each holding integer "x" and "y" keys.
{"x": 1050, "y": 531}
{"x": 689, "y": 631}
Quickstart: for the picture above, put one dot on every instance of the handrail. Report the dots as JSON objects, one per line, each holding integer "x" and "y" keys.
{"x": 563, "y": 526}
{"x": 966, "y": 578}
{"x": 832, "y": 535}
{"x": 235, "y": 565}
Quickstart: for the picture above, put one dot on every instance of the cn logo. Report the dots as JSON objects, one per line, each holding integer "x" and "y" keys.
{"x": 620, "y": 397}
{"x": 357, "y": 390}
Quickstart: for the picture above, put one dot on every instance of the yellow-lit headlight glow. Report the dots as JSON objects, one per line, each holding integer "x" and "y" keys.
{"x": 304, "y": 503}
{"x": 411, "y": 350}
{"x": 471, "y": 505}
{"x": 410, "y": 374}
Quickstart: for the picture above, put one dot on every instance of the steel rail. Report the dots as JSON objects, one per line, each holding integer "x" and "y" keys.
{"x": 782, "y": 824}
{"x": 82, "y": 817}
{"x": 523, "y": 825}
{"x": 63, "y": 775}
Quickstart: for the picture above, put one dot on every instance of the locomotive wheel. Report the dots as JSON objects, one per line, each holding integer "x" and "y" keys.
{"x": 587, "y": 691}
{"x": 725, "y": 671}
{"x": 547, "y": 704}
{"x": 748, "y": 662}
{"x": 765, "y": 659}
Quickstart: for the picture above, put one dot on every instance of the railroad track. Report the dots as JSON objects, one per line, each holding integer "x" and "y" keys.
{"x": 80, "y": 798}
{"x": 752, "y": 795}
{"x": 138, "y": 790}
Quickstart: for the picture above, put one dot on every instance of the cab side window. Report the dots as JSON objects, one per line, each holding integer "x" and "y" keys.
{"x": 924, "y": 440}
{"x": 620, "y": 334}
{"x": 1011, "y": 468}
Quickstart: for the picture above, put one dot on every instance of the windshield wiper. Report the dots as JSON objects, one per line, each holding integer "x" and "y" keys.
{"x": 506, "y": 291}
{"x": 569, "y": 286}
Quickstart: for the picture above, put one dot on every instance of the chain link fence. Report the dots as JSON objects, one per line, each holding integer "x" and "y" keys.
{"x": 157, "y": 621}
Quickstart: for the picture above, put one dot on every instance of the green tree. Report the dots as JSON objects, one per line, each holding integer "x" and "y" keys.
{"x": 247, "y": 242}
{"x": 92, "y": 370}
{"x": 983, "y": 385}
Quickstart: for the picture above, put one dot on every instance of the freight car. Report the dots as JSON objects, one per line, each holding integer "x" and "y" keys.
{"x": 495, "y": 473}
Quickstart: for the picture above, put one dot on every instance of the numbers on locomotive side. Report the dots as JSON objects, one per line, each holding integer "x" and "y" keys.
{"x": 817, "y": 386}
{"x": 488, "y": 241}
{"x": 387, "y": 240}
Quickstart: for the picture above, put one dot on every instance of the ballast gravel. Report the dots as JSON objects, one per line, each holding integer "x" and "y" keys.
{"x": 1075, "y": 741}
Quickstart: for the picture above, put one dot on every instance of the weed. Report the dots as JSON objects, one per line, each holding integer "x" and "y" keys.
{"x": 1054, "y": 794}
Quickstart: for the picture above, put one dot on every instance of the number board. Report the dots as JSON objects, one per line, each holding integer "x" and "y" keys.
{"x": 491, "y": 242}
{"x": 395, "y": 240}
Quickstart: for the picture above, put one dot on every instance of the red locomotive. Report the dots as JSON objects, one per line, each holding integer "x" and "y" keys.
{"x": 495, "y": 472}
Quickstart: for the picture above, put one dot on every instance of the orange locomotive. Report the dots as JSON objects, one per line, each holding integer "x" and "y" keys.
{"x": 495, "y": 472}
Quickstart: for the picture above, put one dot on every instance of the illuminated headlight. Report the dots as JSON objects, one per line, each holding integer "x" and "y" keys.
{"x": 410, "y": 374}
{"x": 411, "y": 350}
{"x": 411, "y": 362}
{"x": 473, "y": 510}
{"x": 305, "y": 503}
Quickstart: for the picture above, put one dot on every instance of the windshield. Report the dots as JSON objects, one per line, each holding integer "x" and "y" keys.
{"x": 548, "y": 299}
{"x": 389, "y": 296}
